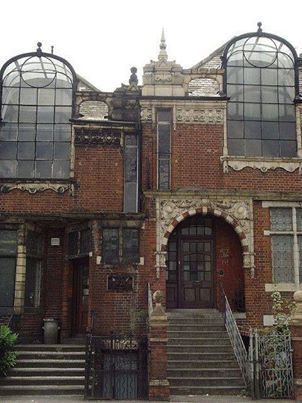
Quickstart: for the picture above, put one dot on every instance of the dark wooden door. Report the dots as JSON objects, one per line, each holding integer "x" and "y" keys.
{"x": 196, "y": 274}
{"x": 80, "y": 296}
{"x": 190, "y": 281}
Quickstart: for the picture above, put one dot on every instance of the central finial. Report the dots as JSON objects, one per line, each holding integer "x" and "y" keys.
{"x": 259, "y": 24}
{"x": 163, "y": 55}
{"x": 39, "y": 50}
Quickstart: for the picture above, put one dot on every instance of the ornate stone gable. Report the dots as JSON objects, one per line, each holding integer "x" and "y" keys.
{"x": 237, "y": 212}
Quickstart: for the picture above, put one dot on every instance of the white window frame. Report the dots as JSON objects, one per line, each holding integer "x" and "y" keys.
{"x": 287, "y": 287}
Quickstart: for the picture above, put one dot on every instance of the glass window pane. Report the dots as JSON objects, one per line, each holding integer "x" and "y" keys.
{"x": 7, "y": 281}
{"x": 130, "y": 245}
{"x": 163, "y": 116}
{"x": 252, "y": 129}
{"x": 270, "y": 112}
{"x": 163, "y": 139}
{"x": 235, "y": 110}
{"x": 236, "y": 147}
{"x": 8, "y": 150}
{"x": 27, "y": 114}
{"x": 288, "y": 148}
{"x": 32, "y": 283}
{"x": 28, "y": 96}
{"x": 270, "y": 130}
{"x": 287, "y": 130}
{"x": 10, "y": 113}
{"x": 26, "y": 150}
{"x": 300, "y": 260}
{"x": 164, "y": 173}
{"x": 270, "y": 148}
{"x": 61, "y": 169}
{"x": 46, "y": 96}
{"x": 9, "y": 131}
{"x": 252, "y": 75}
{"x": 62, "y": 151}
{"x": 269, "y": 94}
{"x": 45, "y": 114}
{"x": 27, "y": 132}
{"x": 251, "y": 93}
{"x": 44, "y": 151}
{"x": 110, "y": 245}
{"x": 269, "y": 76}
{"x": 8, "y": 168}
{"x": 299, "y": 222}
{"x": 281, "y": 219}
{"x": 287, "y": 113}
{"x": 286, "y": 76}
{"x": 44, "y": 132}
{"x": 64, "y": 97}
{"x": 26, "y": 169}
{"x": 252, "y": 111}
{"x": 235, "y": 75}
{"x": 62, "y": 132}
{"x": 283, "y": 263}
{"x": 62, "y": 114}
{"x": 8, "y": 242}
{"x": 235, "y": 92}
{"x": 235, "y": 129}
{"x": 253, "y": 147}
{"x": 85, "y": 241}
{"x": 44, "y": 169}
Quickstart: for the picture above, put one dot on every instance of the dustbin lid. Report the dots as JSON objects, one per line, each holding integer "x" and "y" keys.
{"x": 49, "y": 320}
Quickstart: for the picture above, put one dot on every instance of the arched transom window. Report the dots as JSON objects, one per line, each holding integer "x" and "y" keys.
{"x": 261, "y": 83}
{"x": 36, "y": 108}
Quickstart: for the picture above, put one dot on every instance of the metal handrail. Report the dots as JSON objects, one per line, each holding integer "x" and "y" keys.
{"x": 236, "y": 339}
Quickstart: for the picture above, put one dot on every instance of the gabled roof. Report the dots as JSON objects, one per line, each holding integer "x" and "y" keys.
{"x": 86, "y": 84}
{"x": 213, "y": 60}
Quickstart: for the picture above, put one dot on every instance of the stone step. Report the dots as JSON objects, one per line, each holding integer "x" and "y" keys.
{"x": 199, "y": 356}
{"x": 196, "y": 333}
{"x": 69, "y": 355}
{"x": 41, "y": 390}
{"x": 222, "y": 341}
{"x": 204, "y": 373}
{"x": 206, "y": 390}
{"x": 205, "y": 348}
{"x": 173, "y": 364}
{"x": 51, "y": 371}
{"x": 46, "y": 363}
{"x": 50, "y": 347}
{"x": 197, "y": 321}
{"x": 206, "y": 381}
{"x": 42, "y": 380}
{"x": 194, "y": 327}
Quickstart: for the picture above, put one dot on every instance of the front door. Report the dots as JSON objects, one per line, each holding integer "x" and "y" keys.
{"x": 80, "y": 296}
{"x": 190, "y": 282}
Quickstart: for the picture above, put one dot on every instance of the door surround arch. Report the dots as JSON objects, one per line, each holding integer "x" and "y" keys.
{"x": 236, "y": 212}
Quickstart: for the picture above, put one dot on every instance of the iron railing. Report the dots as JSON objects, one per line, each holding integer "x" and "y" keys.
{"x": 236, "y": 340}
{"x": 116, "y": 367}
{"x": 271, "y": 356}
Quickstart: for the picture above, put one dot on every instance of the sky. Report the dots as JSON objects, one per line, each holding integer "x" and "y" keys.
{"x": 103, "y": 39}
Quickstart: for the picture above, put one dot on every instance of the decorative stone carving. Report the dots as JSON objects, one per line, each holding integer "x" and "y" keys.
{"x": 34, "y": 188}
{"x": 100, "y": 136}
{"x": 237, "y": 164}
{"x": 204, "y": 116}
{"x": 237, "y": 213}
{"x": 146, "y": 114}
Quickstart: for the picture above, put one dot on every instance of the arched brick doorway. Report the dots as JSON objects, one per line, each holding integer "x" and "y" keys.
{"x": 204, "y": 251}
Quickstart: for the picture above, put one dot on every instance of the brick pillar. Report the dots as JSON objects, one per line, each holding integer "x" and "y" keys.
{"x": 296, "y": 332}
{"x": 159, "y": 387}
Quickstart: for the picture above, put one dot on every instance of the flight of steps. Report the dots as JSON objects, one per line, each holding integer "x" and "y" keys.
{"x": 46, "y": 369}
{"x": 200, "y": 356}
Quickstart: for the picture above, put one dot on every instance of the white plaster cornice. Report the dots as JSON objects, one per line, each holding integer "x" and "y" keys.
{"x": 261, "y": 163}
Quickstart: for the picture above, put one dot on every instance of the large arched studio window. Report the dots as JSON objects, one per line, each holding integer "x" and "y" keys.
{"x": 261, "y": 81}
{"x": 36, "y": 108}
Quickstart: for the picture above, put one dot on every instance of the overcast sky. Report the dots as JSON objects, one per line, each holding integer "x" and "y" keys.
{"x": 102, "y": 39}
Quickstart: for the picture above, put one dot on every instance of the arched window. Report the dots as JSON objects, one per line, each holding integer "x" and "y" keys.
{"x": 261, "y": 81}
{"x": 36, "y": 108}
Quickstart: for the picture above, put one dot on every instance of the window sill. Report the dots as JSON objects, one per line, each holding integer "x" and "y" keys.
{"x": 37, "y": 185}
{"x": 282, "y": 287}
{"x": 264, "y": 164}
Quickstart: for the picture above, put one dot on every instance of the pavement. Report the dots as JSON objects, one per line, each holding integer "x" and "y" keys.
{"x": 179, "y": 399}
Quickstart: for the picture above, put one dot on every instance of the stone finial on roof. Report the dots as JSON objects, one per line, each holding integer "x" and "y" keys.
{"x": 163, "y": 55}
{"x": 39, "y": 50}
{"x": 259, "y": 24}
{"x": 133, "y": 78}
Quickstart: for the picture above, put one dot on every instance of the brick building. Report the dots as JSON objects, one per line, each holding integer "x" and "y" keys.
{"x": 187, "y": 181}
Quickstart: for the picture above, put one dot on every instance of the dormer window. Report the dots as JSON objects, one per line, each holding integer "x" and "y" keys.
{"x": 36, "y": 108}
{"x": 261, "y": 81}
